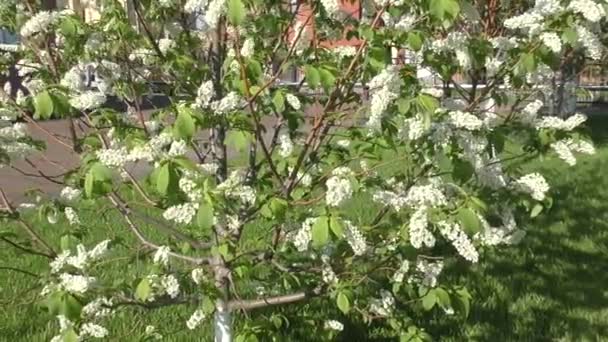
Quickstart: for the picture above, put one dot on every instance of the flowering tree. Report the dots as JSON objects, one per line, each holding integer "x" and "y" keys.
{"x": 255, "y": 182}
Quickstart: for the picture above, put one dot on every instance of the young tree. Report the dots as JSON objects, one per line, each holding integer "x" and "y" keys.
{"x": 255, "y": 183}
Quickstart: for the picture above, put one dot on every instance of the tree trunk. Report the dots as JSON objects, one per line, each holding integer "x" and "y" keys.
{"x": 222, "y": 323}
{"x": 563, "y": 89}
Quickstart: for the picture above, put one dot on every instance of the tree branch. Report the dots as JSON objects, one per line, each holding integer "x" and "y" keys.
{"x": 271, "y": 301}
{"x": 126, "y": 212}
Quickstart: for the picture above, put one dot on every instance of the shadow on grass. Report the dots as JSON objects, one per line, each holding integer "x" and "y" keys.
{"x": 553, "y": 285}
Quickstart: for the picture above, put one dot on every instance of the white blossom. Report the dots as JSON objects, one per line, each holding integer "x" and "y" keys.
{"x": 429, "y": 271}
{"x": 434, "y": 92}
{"x": 93, "y": 330}
{"x": 561, "y": 124}
{"x": 429, "y": 194}
{"x": 344, "y": 51}
{"x": 563, "y": 152}
{"x": 248, "y": 48}
{"x": 165, "y": 44}
{"x": 459, "y": 239}
{"x": 195, "y": 319}
{"x": 593, "y": 46}
{"x": 293, "y": 101}
{"x": 227, "y": 104}
{"x": 355, "y": 239}
{"x": 39, "y": 23}
{"x": 529, "y": 22}
{"x": 151, "y": 331}
{"x": 339, "y": 190}
{"x": 419, "y": 234}
{"x": 333, "y": 325}
{"x": 328, "y": 275}
{"x": 195, "y": 6}
{"x": 552, "y": 41}
{"x": 71, "y": 215}
{"x": 77, "y": 284}
{"x": 170, "y": 285}
{"x": 198, "y": 275}
{"x": 384, "y": 88}
{"x": 530, "y": 111}
{"x": 285, "y": 146}
{"x": 301, "y": 239}
{"x": 190, "y": 188}
{"x": 70, "y": 194}
{"x": 161, "y": 256}
{"x": 332, "y": 7}
{"x": 581, "y": 146}
{"x": 181, "y": 213}
{"x": 547, "y": 7}
{"x": 214, "y": 11}
{"x": 384, "y": 305}
{"x": 465, "y": 120}
{"x": 113, "y": 157}
{"x": 205, "y": 94}
{"x": 178, "y": 148}
{"x": 98, "y": 308}
{"x": 590, "y": 9}
{"x": 533, "y": 184}
{"x": 88, "y": 100}
{"x": 400, "y": 273}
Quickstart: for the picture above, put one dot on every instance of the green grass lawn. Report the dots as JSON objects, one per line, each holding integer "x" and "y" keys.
{"x": 551, "y": 287}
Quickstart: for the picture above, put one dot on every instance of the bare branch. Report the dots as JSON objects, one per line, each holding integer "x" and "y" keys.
{"x": 271, "y": 301}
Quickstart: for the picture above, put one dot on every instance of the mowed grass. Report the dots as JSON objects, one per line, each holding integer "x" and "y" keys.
{"x": 551, "y": 287}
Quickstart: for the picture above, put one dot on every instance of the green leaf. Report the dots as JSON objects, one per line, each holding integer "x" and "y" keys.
{"x": 163, "y": 178}
{"x": 70, "y": 307}
{"x": 429, "y": 300}
{"x": 336, "y": 226}
{"x": 444, "y": 9}
{"x": 238, "y": 140}
{"x": 101, "y": 172}
{"x": 89, "y": 182}
{"x": 526, "y": 64}
{"x": 343, "y": 302}
{"x": 427, "y": 103}
{"x": 143, "y": 290}
{"x": 279, "y": 101}
{"x": 414, "y": 40}
{"x": 313, "y": 77}
{"x": 43, "y": 105}
{"x": 404, "y": 105}
{"x": 463, "y": 170}
{"x": 186, "y": 163}
{"x": 469, "y": 221}
{"x": 536, "y": 210}
{"x": 70, "y": 336}
{"x": 570, "y": 36}
{"x": 236, "y": 12}
{"x": 443, "y": 298}
{"x": 278, "y": 207}
{"x": 68, "y": 242}
{"x": 470, "y": 11}
{"x": 478, "y": 204}
{"x": 462, "y": 302}
{"x": 184, "y": 126}
{"x": 320, "y": 231}
{"x": 327, "y": 79}
{"x": 69, "y": 27}
{"x": 205, "y": 216}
